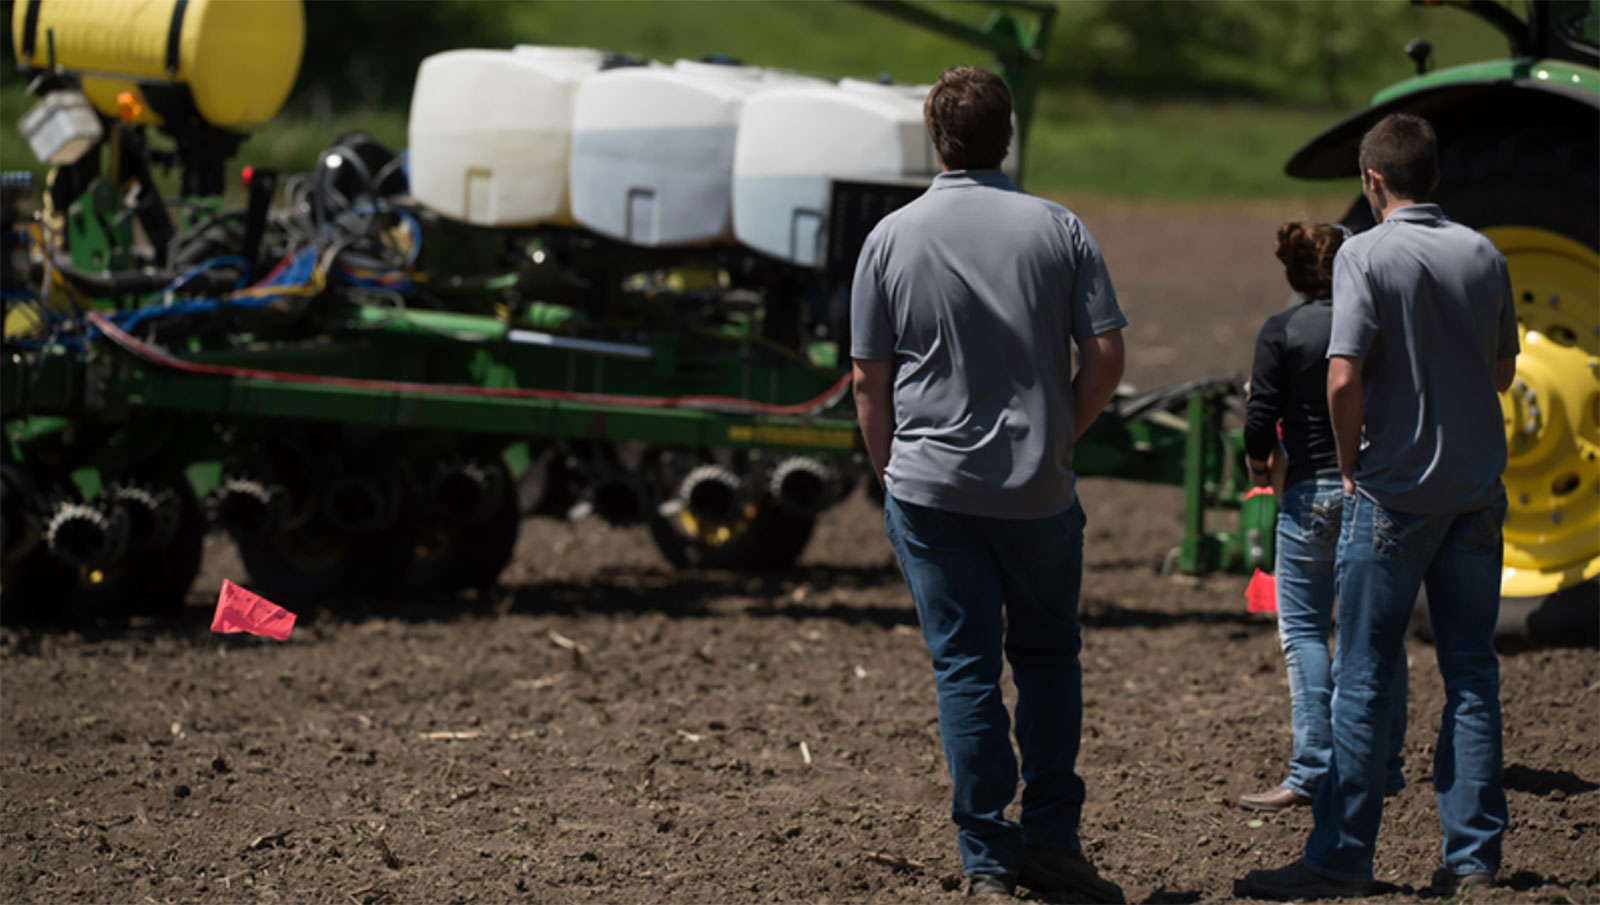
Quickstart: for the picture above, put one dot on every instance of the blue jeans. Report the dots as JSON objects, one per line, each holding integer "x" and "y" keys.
{"x": 983, "y": 585}
{"x": 1309, "y": 516}
{"x": 1384, "y": 557}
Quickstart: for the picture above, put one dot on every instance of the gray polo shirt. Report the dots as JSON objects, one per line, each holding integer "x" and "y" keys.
{"x": 1427, "y": 303}
{"x": 975, "y": 291}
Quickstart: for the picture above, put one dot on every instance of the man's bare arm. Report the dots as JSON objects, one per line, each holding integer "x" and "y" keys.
{"x": 1097, "y": 378}
{"x": 1505, "y": 372}
{"x": 1344, "y": 408}
{"x": 874, "y": 392}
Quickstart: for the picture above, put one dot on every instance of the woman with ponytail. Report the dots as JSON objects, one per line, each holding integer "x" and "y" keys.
{"x": 1288, "y": 399}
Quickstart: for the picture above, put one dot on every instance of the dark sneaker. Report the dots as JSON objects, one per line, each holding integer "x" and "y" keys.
{"x": 1446, "y": 882}
{"x": 1051, "y": 872}
{"x": 1300, "y": 882}
{"x": 991, "y": 888}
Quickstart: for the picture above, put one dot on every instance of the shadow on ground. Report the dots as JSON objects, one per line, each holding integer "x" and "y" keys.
{"x": 1538, "y": 781}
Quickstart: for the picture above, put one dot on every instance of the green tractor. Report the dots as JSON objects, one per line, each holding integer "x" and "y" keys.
{"x": 1518, "y": 158}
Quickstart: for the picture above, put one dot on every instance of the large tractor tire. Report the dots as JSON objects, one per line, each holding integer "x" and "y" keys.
{"x": 1535, "y": 196}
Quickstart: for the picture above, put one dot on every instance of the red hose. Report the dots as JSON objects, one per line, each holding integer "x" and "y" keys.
{"x": 157, "y": 357}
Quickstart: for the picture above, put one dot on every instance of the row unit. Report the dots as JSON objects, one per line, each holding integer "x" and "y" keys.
{"x": 688, "y": 154}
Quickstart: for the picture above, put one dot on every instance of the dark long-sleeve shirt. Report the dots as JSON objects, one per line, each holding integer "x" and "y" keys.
{"x": 1289, "y": 384}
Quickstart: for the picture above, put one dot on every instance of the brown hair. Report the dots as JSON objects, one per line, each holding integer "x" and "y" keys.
{"x": 1403, "y": 150}
{"x": 968, "y": 115}
{"x": 1306, "y": 250}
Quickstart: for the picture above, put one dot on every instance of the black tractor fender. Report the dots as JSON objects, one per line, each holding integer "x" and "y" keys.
{"x": 1457, "y": 110}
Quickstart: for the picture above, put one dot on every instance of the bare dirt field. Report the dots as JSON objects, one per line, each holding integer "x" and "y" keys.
{"x": 727, "y": 738}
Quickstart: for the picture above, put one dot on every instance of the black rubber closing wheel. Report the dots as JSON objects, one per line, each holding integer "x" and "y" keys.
{"x": 157, "y": 582}
{"x": 457, "y": 557}
{"x": 780, "y": 539}
{"x": 315, "y": 561}
{"x": 36, "y": 588}
{"x": 766, "y": 538}
{"x": 139, "y": 582}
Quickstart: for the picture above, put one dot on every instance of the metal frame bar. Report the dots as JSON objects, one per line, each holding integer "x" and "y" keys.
{"x": 1018, "y": 50}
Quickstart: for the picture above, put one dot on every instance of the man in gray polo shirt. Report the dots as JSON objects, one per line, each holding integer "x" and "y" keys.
{"x": 965, "y": 306}
{"x": 1424, "y": 337}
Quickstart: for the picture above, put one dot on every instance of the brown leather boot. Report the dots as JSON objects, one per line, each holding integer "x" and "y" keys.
{"x": 1278, "y": 798}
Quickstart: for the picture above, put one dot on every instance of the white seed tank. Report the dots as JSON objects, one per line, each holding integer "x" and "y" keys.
{"x": 652, "y": 150}
{"x": 919, "y": 93}
{"x": 794, "y": 141}
{"x": 490, "y": 133}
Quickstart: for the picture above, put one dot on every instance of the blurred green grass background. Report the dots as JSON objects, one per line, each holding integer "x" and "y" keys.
{"x": 1186, "y": 100}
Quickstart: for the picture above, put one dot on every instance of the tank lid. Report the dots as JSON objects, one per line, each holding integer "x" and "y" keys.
{"x": 918, "y": 93}
{"x": 587, "y": 55}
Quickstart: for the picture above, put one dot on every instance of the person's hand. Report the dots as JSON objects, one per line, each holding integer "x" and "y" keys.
{"x": 1349, "y": 485}
{"x": 1260, "y": 472}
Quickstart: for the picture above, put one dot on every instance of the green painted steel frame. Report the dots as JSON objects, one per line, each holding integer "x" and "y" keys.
{"x": 1552, "y": 73}
{"x": 169, "y": 406}
{"x": 1213, "y": 477}
{"x": 97, "y": 237}
{"x": 512, "y": 417}
{"x": 1018, "y": 48}
{"x": 124, "y": 392}
{"x": 1533, "y": 69}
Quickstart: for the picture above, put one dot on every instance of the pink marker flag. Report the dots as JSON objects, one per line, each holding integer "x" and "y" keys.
{"x": 239, "y": 610}
{"x": 1262, "y": 593}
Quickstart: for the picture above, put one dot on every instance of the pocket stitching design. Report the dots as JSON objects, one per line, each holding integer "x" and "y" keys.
{"x": 1390, "y": 538}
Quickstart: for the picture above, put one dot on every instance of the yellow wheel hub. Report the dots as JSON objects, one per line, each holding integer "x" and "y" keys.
{"x": 718, "y": 534}
{"x": 312, "y": 548}
{"x": 1552, "y": 530}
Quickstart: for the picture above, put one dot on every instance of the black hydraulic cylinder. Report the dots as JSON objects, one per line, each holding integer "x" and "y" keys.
{"x": 263, "y": 183}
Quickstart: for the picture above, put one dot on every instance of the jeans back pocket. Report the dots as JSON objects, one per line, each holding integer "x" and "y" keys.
{"x": 1312, "y": 515}
{"x": 1321, "y": 517}
{"x": 1481, "y": 535}
{"x": 1402, "y": 535}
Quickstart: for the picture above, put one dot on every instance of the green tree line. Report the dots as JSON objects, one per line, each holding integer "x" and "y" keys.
{"x": 364, "y": 53}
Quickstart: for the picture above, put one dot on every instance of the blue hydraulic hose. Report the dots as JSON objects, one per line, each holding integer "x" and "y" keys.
{"x": 200, "y": 268}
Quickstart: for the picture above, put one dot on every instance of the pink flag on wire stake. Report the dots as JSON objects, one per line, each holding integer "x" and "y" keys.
{"x": 239, "y": 610}
{"x": 1262, "y": 592}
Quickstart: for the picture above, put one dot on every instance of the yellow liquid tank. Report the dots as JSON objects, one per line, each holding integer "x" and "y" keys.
{"x": 238, "y": 58}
